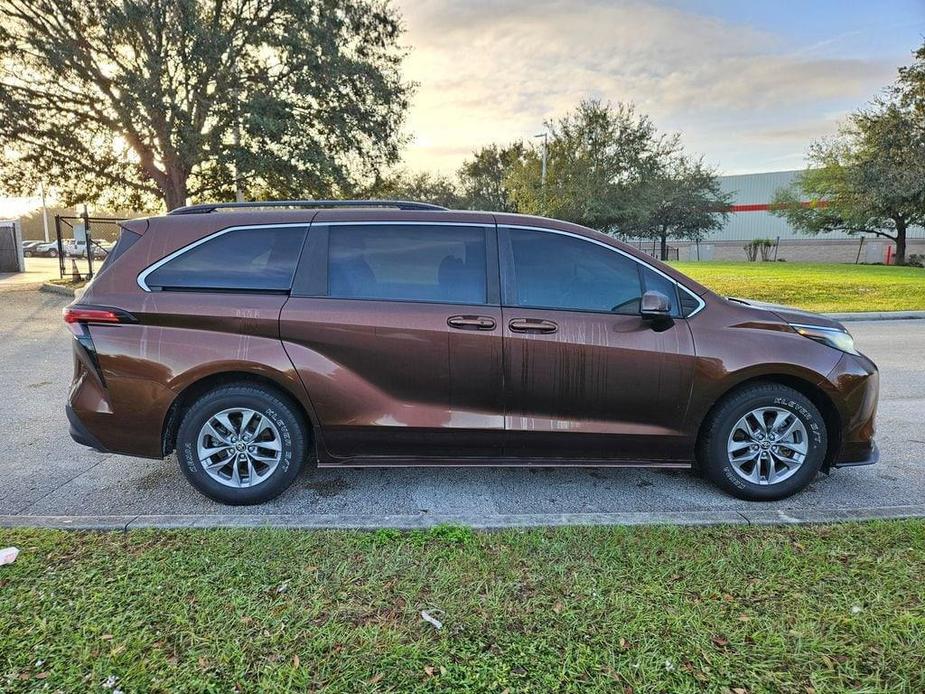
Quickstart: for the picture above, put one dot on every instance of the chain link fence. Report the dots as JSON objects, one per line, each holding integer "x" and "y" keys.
{"x": 83, "y": 242}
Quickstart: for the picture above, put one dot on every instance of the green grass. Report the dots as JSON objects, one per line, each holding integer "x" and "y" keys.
{"x": 665, "y": 609}
{"x": 816, "y": 286}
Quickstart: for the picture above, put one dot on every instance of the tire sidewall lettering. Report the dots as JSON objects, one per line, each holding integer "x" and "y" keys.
{"x": 814, "y": 426}
{"x": 189, "y": 459}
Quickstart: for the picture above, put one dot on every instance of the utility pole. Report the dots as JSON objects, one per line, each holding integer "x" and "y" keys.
{"x": 44, "y": 211}
{"x": 236, "y": 140}
{"x": 545, "y": 137}
{"x": 236, "y": 134}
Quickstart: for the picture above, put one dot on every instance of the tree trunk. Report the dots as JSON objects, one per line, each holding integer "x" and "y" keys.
{"x": 174, "y": 190}
{"x": 900, "y": 243}
{"x": 664, "y": 246}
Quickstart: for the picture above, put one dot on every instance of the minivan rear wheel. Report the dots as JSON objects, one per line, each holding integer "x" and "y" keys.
{"x": 763, "y": 442}
{"x": 241, "y": 444}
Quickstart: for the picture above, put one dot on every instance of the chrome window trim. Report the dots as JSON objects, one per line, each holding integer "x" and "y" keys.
{"x": 143, "y": 275}
{"x": 415, "y": 222}
{"x": 700, "y": 302}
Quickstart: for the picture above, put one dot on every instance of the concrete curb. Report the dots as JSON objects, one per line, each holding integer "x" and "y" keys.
{"x": 56, "y": 289}
{"x": 757, "y": 516}
{"x": 877, "y": 315}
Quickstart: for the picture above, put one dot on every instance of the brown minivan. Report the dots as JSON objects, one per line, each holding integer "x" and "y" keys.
{"x": 256, "y": 338}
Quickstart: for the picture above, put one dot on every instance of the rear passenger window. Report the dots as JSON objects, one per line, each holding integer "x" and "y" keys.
{"x": 242, "y": 260}
{"x": 444, "y": 264}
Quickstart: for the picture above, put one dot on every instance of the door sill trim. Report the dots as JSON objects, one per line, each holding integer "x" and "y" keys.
{"x": 399, "y": 461}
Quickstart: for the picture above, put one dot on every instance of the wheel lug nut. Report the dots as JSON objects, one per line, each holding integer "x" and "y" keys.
{"x": 251, "y": 449}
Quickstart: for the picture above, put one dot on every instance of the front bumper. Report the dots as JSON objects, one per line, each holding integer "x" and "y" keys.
{"x": 854, "y": 387}
{"x": 872, "y": 457}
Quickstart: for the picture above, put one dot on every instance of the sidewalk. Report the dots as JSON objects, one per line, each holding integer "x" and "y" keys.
{"x": 32, "y": 278}
{"x": 38, "y": 272}
{"x": 876, "y": 315}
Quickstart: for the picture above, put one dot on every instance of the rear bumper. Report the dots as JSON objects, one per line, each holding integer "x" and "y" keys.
{"x": 79, "y": 432}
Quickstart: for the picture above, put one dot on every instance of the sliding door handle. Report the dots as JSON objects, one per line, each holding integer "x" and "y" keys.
{"x": 471, "y": 322}
{"x": 532, "y": 325}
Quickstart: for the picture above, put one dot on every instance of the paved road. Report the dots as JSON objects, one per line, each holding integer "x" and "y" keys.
{"x": 44, "y": 473}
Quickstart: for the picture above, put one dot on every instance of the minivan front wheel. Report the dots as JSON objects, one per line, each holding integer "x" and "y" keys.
{"x": 763, "y": 442}
{"x": 241, "y": 444}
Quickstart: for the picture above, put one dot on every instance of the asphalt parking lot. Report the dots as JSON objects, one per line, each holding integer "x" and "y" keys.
{"x": 45, "y": 474}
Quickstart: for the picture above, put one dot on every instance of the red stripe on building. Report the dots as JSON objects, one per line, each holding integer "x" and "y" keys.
{"x": 764, "y": 207}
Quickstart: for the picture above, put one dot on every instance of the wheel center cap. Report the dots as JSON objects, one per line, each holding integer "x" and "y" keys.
{"x": 240, "y": 446}
{"x": 765, "y": 445}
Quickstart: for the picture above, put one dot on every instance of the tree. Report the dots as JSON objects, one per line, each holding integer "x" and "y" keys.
{"x": 132, "y": 101}
{"x": 909, "y": 88}
{"x": 681, "y": 199}
{"x": 609, "y": 168}
{"x": 595, "y": 157}
{"x": 870, "y": 179}
{"x": 419, "y": 186}
{"x": 484, "y": 178}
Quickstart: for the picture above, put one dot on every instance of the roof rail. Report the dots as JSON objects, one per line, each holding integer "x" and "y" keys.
{"x": 212, "y": 206}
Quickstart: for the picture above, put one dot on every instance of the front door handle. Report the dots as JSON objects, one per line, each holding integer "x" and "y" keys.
{"x": 471, "y": 322}
{"x": 532, "y": 325}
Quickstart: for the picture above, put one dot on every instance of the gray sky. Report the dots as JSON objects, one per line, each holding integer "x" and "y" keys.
{"x": 747, "y": 83}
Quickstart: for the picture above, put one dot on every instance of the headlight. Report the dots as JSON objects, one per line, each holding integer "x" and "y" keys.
{"x": 833, "y": 337}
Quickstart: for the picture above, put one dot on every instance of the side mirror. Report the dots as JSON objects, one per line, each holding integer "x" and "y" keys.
{"x": 655, "y": 306}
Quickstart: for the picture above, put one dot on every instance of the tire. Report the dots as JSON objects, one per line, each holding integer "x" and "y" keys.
{"x": 280, "y": 426}
{"x": 725, "y": 434}
{"x": 27, "y": 254}
{"x": 52, "y": 253}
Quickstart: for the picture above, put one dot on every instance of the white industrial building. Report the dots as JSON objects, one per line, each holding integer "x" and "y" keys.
{"x": 751, "y": 219}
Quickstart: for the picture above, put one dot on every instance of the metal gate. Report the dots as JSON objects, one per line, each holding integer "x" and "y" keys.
{"x": 83, "y": 243}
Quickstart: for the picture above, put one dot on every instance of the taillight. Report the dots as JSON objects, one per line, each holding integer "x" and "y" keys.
{"x": 77, "y": 316}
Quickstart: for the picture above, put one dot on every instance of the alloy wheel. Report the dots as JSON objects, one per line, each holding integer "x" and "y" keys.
{"x": 239, "y": 447}
{"x": 767, "y": 445}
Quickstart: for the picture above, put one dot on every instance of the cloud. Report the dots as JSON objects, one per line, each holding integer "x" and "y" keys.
{"x": 493, "y": 72}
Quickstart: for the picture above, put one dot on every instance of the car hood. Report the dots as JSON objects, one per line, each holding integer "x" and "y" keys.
{"x": 789, "y": 314}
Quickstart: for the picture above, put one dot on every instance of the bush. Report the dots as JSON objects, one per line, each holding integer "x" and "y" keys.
{"x": 759, "y": 246}
{"x": 916, "y": 260}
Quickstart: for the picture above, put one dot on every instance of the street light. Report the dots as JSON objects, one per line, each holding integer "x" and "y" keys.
{"x": 545, "y": 137}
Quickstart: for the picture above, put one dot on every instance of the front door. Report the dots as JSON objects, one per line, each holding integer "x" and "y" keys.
{"x": 399, "y": 344}
{"x": 585, "y": 376}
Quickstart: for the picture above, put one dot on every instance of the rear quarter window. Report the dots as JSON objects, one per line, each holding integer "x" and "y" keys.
{"x": 260, "y": 259}
{"x": 126, "y": 240}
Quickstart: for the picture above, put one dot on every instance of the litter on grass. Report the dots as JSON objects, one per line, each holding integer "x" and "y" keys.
{"x": 8, "y": 555}
{"x": 430, "y": 620}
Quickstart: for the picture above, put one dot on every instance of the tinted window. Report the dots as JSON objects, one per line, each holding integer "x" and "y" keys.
{"x": 655, "y": 282}
{"x": 407, "y": 263}
{"x": 564, "y": 272}
{"x": 126, "y": 240}
{"x": 249, "y": 259}
{"x": 688, "y": 303}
